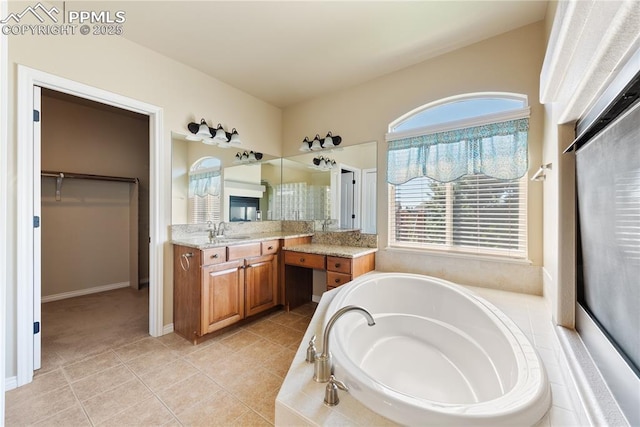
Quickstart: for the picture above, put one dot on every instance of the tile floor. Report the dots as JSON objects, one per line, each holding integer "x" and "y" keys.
{"x": 232, "y": 380}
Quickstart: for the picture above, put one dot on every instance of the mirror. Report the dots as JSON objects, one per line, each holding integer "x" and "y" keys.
{"x": 210, "y": 183}
{"x": 337, "y": 184}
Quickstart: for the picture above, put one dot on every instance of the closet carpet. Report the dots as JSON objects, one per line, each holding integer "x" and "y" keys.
{"x": 100, "y": 367}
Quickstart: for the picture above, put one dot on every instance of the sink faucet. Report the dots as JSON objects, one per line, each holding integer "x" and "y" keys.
{"x": 323, "y": 366}
{"x": 212, "y": 230}
{"x": 325, "y": 224}
{"x": 220, "y": 229}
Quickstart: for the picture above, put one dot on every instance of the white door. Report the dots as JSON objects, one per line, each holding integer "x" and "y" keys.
{"x": 37, "y": 230}
{"x": 347, "y": 186}
{"x": 369, "y": 201}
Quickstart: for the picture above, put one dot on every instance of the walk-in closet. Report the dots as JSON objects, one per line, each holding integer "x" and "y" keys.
{"x": 94, "y": 227}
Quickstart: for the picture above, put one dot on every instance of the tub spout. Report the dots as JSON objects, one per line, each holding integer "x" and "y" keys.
{"x": 323, "y": 367}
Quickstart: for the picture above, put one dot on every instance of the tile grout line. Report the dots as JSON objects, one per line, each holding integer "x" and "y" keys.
{"x": 153, "y": 394}
{"x": 75, "y": 395}
{"x": 84, "y": 411}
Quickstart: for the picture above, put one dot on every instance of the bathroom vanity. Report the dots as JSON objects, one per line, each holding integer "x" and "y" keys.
{"x": 224, "y": 280}
{"x": 218, "y": 286}
{"x": 341, "y": 263}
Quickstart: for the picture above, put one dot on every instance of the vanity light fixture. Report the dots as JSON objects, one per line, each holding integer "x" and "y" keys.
{"x": 199, "y": 131}
{"x": 315, "y": 145}
{"x": 247, "y": 157}
{"x": 235, "y": 138}
{"x": 323, "y": 163}
{"x": 306, "y": 145}
{"x": 218, "y": 136}
{"x": 221, "y": 135}
{"x": 327, "y": 143}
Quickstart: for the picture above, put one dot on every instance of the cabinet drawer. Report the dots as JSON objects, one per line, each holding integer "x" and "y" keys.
{"x": 304, "y": 259}
{"x": 270, "y": 247}
{"x": 341, "y": 265}
{"x": 214, "y": 256}
{"x": 336, "y": 279}
{"x": 243, "y": 251}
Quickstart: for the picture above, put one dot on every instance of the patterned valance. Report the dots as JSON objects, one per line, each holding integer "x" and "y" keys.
{"x": 498, "y": 150}
{"x": 203, "y": 184}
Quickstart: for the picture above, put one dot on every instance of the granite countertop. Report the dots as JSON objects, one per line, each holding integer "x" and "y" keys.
{"x": 332, "y": 250}
{"x": 202, "y": 241}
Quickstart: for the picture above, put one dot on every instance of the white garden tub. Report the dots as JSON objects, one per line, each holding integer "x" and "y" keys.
{"x": 438, "y": 354}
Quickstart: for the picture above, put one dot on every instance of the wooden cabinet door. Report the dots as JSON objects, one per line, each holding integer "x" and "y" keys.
{"x": 261, "y": 281}
{"x": 186, "y": 291}
{"x": 222, "y": 295}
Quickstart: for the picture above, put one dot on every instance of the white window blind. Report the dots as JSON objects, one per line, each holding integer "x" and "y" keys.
{"x": 204, "y": 208}
{"x": 474, "y": 214}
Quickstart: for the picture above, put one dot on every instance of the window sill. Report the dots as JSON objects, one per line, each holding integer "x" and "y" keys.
{"x": 459, "y": 255}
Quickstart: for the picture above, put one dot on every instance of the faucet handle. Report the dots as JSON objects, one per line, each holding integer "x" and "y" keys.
{"x": 331, "y": 391}
{"x": 311, "y": 350}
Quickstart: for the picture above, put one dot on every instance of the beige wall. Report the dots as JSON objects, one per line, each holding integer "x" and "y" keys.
{"x": 122, "y": 67}
{"x": 510, "y": 62}
{"x": 92, "y": 217}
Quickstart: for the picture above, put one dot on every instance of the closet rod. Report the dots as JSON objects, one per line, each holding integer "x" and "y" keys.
{"x": 88, "y": 176}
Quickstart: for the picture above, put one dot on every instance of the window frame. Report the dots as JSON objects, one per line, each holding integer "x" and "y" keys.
{"x": 523, "y": 112}
{"x": 449, "y": 249}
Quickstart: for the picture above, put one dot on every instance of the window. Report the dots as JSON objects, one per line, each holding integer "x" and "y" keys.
{"x": 204, "y": 190}
{"x": 459, "y": 184}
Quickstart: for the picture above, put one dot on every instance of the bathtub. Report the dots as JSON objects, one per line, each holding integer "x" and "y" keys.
{"x": 438, "y": 354}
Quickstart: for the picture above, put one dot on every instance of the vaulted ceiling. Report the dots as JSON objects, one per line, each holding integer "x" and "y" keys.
{"x": 287, "y": 52}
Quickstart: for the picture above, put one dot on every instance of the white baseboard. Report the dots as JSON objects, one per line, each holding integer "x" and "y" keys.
{"x": 316, "y": 298}
{"x": 10, "y": 383}
{"x": 86, "y": 291}
{"x": 167, "y": 329}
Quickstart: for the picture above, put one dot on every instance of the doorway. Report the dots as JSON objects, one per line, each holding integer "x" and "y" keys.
{"x": 28, "y": 297}
{"x": 347, "y": 190}
{"x": 350, "y": 197}
{"x": 94, "y": 201}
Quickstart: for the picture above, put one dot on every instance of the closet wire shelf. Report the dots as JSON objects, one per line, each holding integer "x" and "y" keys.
{"x": 60, "y": 176}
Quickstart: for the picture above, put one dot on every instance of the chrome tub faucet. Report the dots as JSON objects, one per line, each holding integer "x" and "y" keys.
{"x": 323, "y": 366}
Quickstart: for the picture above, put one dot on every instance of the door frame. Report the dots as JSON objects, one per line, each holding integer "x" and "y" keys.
{"x": 357, "y": 193}
{"x": 4, "y": 166}
{"x": 158, "y": 159}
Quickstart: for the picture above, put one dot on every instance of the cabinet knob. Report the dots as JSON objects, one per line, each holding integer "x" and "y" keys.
{"x": 270, "y": 248}
{"x": 214, "y": 256}
{"x": 337, "y": 280}
{"x": 337, "y": 265}
{"x": 301, "y": 259}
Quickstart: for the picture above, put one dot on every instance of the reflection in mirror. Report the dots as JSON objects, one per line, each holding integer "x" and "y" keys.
{"x": 216, "y": 184}
{"x": 338, "y": 185}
